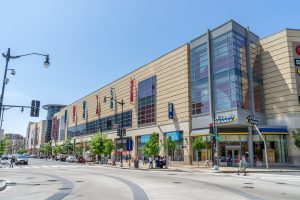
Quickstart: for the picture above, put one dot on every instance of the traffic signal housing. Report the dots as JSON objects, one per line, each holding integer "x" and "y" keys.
{"x": 35, "y": 108}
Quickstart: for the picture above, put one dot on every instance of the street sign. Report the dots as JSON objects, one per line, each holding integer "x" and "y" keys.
{"x": 121, "y": 132}
{"x": 252, "y": 120}
{"x": 170, "y": 110}
{"x": 218, "y": 138}
{"x": 129, "y": 144}
{"x": 35, "y": 108}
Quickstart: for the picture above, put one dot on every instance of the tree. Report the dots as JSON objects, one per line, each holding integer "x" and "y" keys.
{"x": 108, "y": 146}
{"x": 79, "y": 148}
{"x": 296, "y": 136}
{"x": 45, "y": 149}
{"x": 169, "y": 145}
{"x": 67, "y": 146}
{"x": 57, "y": 149}
{"x": 21, "y": 151}
{"x": 151, "y": 148}
{"x": 3, "y": 145}
{"x": 97, "y": 144}
{"x": 198, "y": 145}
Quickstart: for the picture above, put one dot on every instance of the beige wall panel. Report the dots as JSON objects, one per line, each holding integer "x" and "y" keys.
{"x": 271, "y": 39}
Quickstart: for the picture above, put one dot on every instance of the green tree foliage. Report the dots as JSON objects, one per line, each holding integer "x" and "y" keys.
{"x": 151, "y": 148}
{"x": 45, "y": 149}
{"x": 169, "y": 144}
{"x": 57, "y": 149}
{"x": 67, "y": 146}
{"x": 198, "y": 144}
{"x": 108, "y": 146}
{"x": 97, "y": 144}
{"x": 3, "y": 145}
{"x": 296, "y": 136}
{"x": 21, "y": 151}
{"x": 79, "y": 148}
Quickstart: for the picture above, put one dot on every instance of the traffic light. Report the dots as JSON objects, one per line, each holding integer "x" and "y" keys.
{"x": 108, "y": 124}
{"x": 35, "y": 108}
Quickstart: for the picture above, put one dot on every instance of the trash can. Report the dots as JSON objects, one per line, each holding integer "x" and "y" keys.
{"x": 136, "y": 164}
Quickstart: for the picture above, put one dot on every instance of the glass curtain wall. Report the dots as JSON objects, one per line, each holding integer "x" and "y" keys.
{"x": 229, "y": 72}
{"x": 199, "y": 79}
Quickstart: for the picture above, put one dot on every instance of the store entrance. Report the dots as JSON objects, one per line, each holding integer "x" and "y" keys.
{"x": 232, "y": 157}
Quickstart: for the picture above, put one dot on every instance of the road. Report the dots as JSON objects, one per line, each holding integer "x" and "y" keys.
{"x": 53, "y": 180}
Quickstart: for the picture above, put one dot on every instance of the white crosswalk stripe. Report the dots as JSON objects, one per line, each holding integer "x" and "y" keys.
{"x": 7, "y": 167}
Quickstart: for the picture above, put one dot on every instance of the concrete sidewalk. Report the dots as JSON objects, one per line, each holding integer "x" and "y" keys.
{"x": 190, "y": 168}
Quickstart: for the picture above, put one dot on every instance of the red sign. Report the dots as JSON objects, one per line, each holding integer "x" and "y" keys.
{"x": 297, "y": 49}
{"x": 74, "y": 113}
{"x": 132, "y": 91}
{"x": 53, "y": 129}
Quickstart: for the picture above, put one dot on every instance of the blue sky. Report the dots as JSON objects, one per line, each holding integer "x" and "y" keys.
{"x": 93, "y": 42}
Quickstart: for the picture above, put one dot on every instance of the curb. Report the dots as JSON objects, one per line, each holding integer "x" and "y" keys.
{"x": 2, "y": 185}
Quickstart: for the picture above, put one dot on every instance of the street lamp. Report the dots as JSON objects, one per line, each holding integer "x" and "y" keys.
{"x": 122, "y": 131}
{"x": 8, "y": 56}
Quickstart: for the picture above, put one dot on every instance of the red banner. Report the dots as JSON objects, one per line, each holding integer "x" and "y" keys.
{"x": 53, "y": 129}
{"x": 132, "y": 91}
{"x": 74, "y": 113}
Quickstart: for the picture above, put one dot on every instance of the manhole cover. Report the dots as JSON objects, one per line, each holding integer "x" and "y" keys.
{"x": 36, "y": 184}
{"x": 281, "y": 183}
{"x": 52, "y": 180}
{"x": 64, "y": 188}
{"x": 248, "y": 187}
{"x": 248, "y": 183}
{"x": 177, "y": 182}
{"x": 79, "y": 181}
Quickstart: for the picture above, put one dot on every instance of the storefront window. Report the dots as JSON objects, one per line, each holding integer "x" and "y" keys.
{"x": 177, "y": 154}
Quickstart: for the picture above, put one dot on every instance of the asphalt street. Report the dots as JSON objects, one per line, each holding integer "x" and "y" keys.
{"x": 55, "y": 180}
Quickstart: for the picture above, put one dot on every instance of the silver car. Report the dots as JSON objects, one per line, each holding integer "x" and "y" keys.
{"x": 21, "y": 159}
{"x": 71, "y": 159}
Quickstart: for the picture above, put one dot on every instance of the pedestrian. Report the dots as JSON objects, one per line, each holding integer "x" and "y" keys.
{"x": 238, "y": 164}
{"x": 126, "y": 158}
{"x": 12, "y": 160}
{"x": 244, "y": 163}
{"x": 151, "y": 162}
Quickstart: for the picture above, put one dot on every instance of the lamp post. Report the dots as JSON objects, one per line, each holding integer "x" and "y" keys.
{"x": 122, "y": 131}
{"x": 8, "y": 56}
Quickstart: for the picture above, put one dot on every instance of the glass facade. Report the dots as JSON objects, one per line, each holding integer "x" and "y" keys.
{"x": 229, "y": 69}
{"x": 62, "y": 128}
{"x": 104, "y": 124}
{"x": 147, "y": 101}
{"x": 199, "y": 79}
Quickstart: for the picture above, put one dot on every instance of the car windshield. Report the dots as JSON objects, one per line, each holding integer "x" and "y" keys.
{"x": 21, "y": 157}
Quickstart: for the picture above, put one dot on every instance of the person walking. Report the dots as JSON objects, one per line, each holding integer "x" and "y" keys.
{"x": 151, "y": 162}
{"x": 244, "y": 163}
{"x": 12, "y": 160}
{"x": 238, "y": 164}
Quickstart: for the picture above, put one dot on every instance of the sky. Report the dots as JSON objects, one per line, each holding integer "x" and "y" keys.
{"x": 94, "y": 42}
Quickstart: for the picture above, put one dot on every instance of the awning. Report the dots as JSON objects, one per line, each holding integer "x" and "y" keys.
{"x": 274, "y": 130}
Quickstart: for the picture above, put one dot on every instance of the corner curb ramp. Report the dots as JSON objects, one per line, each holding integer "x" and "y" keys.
{"x": 2, "y": 185}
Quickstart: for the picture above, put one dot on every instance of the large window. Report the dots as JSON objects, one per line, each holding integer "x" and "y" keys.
{"x": 229, "y": 72}
{"x": 62, "y": 128}
{"x": 146, "y": 101}
{"x": 199, "y": 78}
{"x": 103, "y": 124}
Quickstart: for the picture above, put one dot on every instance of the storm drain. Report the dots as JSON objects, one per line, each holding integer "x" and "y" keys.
{"x": 30, "y": 178}
{"x": 281, "y": 183}
{"x": 248, "y": 187}
{"x": 177, "y": 182}
{"x": 79, "y": 181}
{"x": 52, "y": 180}
{"x": 248, "y": 183}
{"x": 172, "y": 174}
{"x": 65, "y": 188}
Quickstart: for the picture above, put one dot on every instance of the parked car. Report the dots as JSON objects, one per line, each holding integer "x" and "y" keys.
{"x": 81, "y": 160}
{"x": 71, "y": 159}
{"x": 4, "y": 159}
{"x": 61, "y": 157}
{"x": 21, "y": 159}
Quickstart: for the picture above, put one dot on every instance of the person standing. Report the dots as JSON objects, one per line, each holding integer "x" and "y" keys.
{"x": 151, "y": 162}
{"x": 244, "y": 162}
{"x": 12, "y": 160}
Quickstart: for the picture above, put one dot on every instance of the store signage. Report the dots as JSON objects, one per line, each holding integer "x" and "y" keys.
{"x": 74, "y": 113}
{"x": 225, "y": 119}
{"x": 176, "y": 135}
{"x": 129, "y": 144}
{"x": 132, "y": 91}
{"x": 53, "y": 129}
{"x": 297, "y": 61}
{"x": 83, "y": 109}
{"x": 297, "y": 49}
{"x": 145, "y": 138}
{"x": 252, "y": 120}
{"x": 66, "y": 116}
{"x": 298, "y": 71}
{"x": 170, "y": 110}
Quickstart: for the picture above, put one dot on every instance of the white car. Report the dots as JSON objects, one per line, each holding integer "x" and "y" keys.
{"x": 5, "y": 159}
{"x": 71, "y": 159}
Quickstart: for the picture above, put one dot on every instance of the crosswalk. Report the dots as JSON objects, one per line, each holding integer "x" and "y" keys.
{"x": 7, "y": 167}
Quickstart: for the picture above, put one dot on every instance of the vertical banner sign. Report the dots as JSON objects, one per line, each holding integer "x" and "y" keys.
{"x": 97, "y": 106}
{"x": 53, "y": 129}
{"x": 66, "y": 114}
{"x": 83, "y": 109}
{"x": 170, "y": 110}
{"x": 111, "y": 98}
{"x": 74, "y": 113}
{"x": 129, "y": 144}
{"x": 132, "y": 91}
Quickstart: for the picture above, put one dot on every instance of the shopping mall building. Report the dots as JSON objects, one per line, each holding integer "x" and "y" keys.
{"x": 228, "y": 74}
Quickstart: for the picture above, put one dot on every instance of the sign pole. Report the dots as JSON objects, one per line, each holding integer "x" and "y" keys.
{"x": 266, "y": 154}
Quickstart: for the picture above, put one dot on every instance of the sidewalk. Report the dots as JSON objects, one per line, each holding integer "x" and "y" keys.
{"x": 190, "y": 168}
